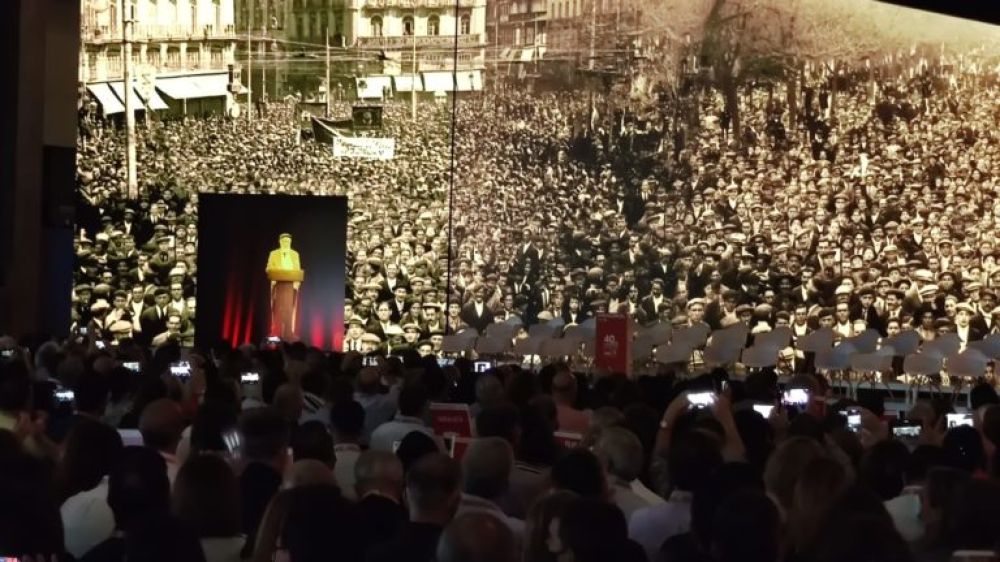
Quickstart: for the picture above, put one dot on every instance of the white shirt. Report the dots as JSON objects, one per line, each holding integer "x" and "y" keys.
{"x": 905, "y": 512}
{"x": 87, "y": 519}
{"x": 387, "y": 434}
{"x": 223, "y": 549}
{"x": 347, "y": 456}
{"x": 651, "y": 526}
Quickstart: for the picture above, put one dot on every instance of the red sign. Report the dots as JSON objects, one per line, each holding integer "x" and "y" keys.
{"x": 451, "y": 419}
{"x": 614, "y": 343}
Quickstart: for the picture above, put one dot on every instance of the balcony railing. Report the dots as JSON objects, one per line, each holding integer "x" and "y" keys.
{"x": 142, "y": 32}
{"x": 435, "y": 41}
{"x": 180, "y": 32}
{"x": 418, "y": 3}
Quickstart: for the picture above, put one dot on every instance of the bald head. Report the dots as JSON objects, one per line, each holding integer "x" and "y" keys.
{"x": 161, "y": 425}
{"x": 477, "y": 537}
{"x": 379, "y": 471}
{"x": 489, "y": 391}
{"x": 368, "y": 380}
{"x": 288, "y": 401}
{"x": 434, "y": 488}
{"x": 487, "y": 466}
{"x": 621, "y": 452}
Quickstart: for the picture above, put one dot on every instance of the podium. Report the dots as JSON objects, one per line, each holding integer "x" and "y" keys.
{"x": 284, "y": 302}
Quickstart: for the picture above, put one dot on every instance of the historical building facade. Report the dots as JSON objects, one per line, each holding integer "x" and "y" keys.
{"x": 181, "y": 49}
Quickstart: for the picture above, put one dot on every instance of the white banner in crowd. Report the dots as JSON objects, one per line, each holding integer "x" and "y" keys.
{"x": 364, "y": 148}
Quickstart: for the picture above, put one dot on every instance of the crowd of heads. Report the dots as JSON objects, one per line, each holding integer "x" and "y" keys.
{"x": 874, "y": 194}
{"x": 319, "y": 457}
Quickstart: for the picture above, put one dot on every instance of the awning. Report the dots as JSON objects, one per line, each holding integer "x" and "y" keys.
{"x": 193, "y": 87}
{"x": 109, "y": 102}
{"x": 155, "y": 102}
{"x": 464, "y": 81}
{"x": 371, "y": 87}
{"x": 527, "y": 54}
{"x": 477, "y": 80}
{"x": 439, "y": 82}
{"x": 404, "y": 83}
{"x": 507, "y": 54}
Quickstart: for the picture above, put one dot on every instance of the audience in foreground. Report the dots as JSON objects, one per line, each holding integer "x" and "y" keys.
{"x": 210, "y": 475}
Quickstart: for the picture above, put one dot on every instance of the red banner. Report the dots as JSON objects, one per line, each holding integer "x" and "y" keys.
{"x": 451, "y": 419}
{"x": 613, "y": 345}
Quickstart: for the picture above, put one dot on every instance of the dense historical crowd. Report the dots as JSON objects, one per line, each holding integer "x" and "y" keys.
{"x": 870, "y": 205}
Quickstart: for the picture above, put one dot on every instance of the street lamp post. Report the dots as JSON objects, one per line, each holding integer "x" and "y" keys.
{"x": 132, "y": 182}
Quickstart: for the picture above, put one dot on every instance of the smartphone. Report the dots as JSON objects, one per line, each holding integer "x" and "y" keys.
{"x": 180, "y": 369}
{"x": 906, "y": 430}
{"x": 369, "y": 361}
{"x": 100, "y": 345}
{"x": 83, "y": 330}
{"x": 65, "y": 396}
{"x": 955, "y": 420}
{"x": 795, "y": 397}
{"x": 273, "y": 340}
{"x": 482, "y": 366}
{"x": 7, "y": 353}
{"x": 132, "y": 366}
{"x": 250, "y": 378}
{"x": 763, "y": 409}
{"x": 853, "y": 419}
{"x": 446, "y": 361}
{"x": 701, "y": 399}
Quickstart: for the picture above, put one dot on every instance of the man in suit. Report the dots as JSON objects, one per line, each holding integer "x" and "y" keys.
{"x": 382, "y": 323}
{"x": 393, "y": 279}
{"x": 284, "y": 270}
{"x": 649, "y": 306}
{"x": 379, "y": 488}
{"x": 477, "y": 313}
{"x": 153, "y": 320}
{"x": 398, "y": 304}
{"x": 865, "y": 310}
{"x": 433, "y": 492}
{"x": 967, "y": 333}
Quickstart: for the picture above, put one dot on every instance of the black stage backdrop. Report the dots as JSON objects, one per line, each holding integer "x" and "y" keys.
{"x": 236, "y": 235}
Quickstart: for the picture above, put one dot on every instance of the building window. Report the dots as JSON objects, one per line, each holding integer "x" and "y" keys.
{"x": 465, "y": 25}
{"x": 408, "y": 25}
{"x": 376, "y": 26}
{"x": 433, "y": 25}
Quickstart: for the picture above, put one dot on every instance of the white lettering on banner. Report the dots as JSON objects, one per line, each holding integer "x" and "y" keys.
{"x": 364, "y": 148}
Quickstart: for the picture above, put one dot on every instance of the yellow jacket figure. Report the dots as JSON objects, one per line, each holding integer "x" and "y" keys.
{"x": 284, "y": 270}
